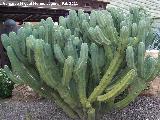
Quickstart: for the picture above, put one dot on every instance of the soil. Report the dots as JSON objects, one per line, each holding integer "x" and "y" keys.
{"x": 28, "y": 105}
{"x": 143, "y": 108}
{"x": 24, "y": 93}
{"x": 154, "y": 88}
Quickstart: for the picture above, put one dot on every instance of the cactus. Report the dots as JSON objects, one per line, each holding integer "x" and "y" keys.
{"x": 86, "y": 63}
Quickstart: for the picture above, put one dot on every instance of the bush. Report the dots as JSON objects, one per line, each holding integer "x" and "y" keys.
{"x": 88, "y": 64}
{"x": 6, "y": 85}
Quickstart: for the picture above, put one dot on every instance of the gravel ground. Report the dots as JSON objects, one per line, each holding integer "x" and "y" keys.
{"x": 144, "y": 108}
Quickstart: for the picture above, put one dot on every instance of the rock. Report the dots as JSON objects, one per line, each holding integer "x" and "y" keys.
{"x": 153, "y": 53}
{"x": 154, "y": 88}
{"x": 24, "y": 93}
{"x": 143, "y": 108}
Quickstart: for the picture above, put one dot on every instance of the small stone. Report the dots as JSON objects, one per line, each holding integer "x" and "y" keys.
{"x": 144, "y": 108}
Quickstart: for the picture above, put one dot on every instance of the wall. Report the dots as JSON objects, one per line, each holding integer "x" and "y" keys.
{"x": 152, "y": 6}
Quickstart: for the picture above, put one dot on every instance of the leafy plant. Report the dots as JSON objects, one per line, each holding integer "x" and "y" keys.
{"x": 6, "y": 85}
{"x": 88, "y": 64}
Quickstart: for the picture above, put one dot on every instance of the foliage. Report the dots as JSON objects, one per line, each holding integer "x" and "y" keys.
{"x": 88, "y": 64}
{"x": 6, "y": 85}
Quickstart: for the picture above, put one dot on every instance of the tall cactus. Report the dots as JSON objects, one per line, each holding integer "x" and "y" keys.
{"x": 86, "y": 62}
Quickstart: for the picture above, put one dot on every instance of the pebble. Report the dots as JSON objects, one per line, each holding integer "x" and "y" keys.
{"x": 144, "y": 108}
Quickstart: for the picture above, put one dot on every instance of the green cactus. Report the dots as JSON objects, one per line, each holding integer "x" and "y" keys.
{"x": 88, "y": 63}
{"x": 141, "y": 52}
{"x": 130, "y": 57}
{"x": 67, "y": 71}
{"x": 58, "y": 54}
{"x": 119, "y": 87}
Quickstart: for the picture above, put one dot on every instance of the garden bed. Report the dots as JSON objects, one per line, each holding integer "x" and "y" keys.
{"x": 27, "y": 105}
{"x": 144, "y": 108}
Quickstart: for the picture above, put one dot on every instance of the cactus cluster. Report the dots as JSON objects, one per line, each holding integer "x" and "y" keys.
{"x": 87, "y": 64}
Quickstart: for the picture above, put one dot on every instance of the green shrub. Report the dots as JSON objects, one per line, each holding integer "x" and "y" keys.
{"x": 6, "y": 85}
{"x": 87, "y": 64}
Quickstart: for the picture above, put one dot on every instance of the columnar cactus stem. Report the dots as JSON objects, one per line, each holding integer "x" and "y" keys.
{"x": 114, "y": 65}
{"x": 119, "y": 87}
{"x": 58, "y": 54}
{"x": 81, "y": 73}
{"x": 134, "y": 30}
{"x": 91, "y": 114}
{"x": 62, "y": 22}
{"x": 130, "y": 57}
{"x": 86, "y": 64}
{"x": 141, "y": 52}
{"x": 46, "y": 92}
{"x": 95, "y": 63}
{"x": 138, "y": 86}
{"x": 67, "y": 71}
